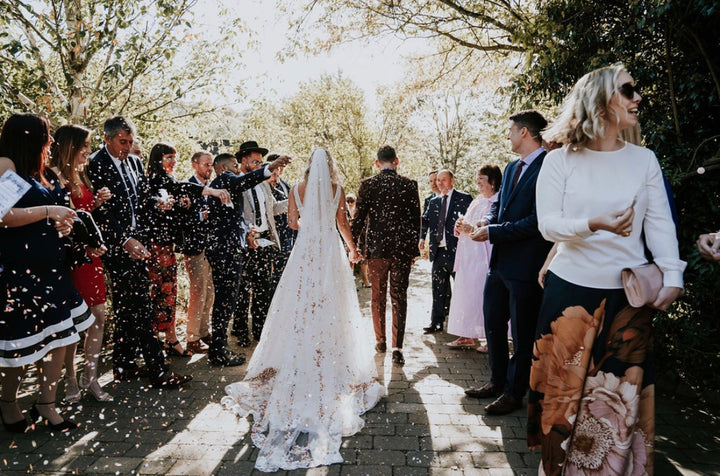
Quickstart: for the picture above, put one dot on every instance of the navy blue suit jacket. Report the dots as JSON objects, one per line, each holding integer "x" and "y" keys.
{"x": 227, "y": 224}
{"x": 114, "y": 216}
{"x": 519, "y": 250}
{"x": 459, "y": 202}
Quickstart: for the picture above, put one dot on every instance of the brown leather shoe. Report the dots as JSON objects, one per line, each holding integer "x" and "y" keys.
{"x": 503, "y": 405}
{"x": 397, "y": 357}
{"x": 486, "y": 391}
{"x": 170, "y": 379}
{"x": 381, "y": 347}
{"x": 207, "y": 339}
{"x": 197, "y": 347}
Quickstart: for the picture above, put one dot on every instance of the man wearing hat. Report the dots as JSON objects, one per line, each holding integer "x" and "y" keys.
{"x": 225, "y": 246}
{"x": 263, "y": 244}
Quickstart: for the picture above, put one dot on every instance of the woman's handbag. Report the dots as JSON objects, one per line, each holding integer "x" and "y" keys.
{"x": 642, "y": 284}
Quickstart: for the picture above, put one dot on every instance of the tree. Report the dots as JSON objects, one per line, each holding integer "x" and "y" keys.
{"x": 80, "y": 61}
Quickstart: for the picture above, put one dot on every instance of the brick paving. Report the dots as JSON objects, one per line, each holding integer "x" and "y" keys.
{"x": 426, "y": 425}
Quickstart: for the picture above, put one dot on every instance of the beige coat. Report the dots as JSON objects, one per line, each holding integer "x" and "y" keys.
{"x": 272, "y": 207}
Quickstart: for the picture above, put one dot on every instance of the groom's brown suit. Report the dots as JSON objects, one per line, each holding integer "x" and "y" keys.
{"x": 388, "y": 215}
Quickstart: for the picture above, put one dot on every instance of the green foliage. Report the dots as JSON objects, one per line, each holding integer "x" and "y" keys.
{"x": 672, "y": 50}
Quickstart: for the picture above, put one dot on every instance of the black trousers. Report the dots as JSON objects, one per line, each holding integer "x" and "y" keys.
{"x": 226, "y": 267}
{"x": 442, "y": 271}
{"x": 130, "y": 293}
{"x": 516, "y": 302}
{"x": 255, "y": 291}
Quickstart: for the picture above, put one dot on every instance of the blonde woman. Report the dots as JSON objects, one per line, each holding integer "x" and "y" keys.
{"x": 592, "y": 389}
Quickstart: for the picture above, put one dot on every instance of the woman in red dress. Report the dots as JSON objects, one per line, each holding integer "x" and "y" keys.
{"x": 69, "y": 156}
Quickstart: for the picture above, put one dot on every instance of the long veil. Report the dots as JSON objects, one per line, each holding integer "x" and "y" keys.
{"x": 312, "y": 374}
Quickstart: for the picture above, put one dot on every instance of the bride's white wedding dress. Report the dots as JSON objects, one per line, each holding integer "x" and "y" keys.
{"x": 313, "y": 373}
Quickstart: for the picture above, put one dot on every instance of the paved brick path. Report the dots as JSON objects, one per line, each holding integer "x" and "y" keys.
{"x": 424, "y": 426}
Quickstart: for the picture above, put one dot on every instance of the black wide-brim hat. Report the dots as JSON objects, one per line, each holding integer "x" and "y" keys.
{"x": 250, "y": 146}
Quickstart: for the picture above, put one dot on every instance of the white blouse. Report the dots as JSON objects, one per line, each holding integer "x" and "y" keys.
{"x": 576, "y": 185}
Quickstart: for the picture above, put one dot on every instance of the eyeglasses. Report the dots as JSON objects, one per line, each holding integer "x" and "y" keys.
{"x": 628, "y": 90}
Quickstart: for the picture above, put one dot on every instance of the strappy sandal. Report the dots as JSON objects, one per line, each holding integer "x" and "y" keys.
{"x": 73, "y": 393}
{"x": 170, "y": 346}
{"x": 100, "y": 395}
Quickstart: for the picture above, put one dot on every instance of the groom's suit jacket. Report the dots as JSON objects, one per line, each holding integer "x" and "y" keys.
{"x": 519, "y": 250}
{"x": 388, "y": 213}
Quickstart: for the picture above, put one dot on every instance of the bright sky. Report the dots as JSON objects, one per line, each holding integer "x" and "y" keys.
{"x": 368, "y": 64}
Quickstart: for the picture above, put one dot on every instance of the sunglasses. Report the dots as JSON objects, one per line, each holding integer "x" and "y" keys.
{"x": 628, "y": 90}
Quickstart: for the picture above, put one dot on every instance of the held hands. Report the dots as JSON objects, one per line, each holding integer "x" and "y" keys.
{"x": 135, "y": 249}
{"x": 354, "y": 256}
{"x": 102, "y": 196}
{"x": 619, "y": 222}
{"x": 709, "y": 246}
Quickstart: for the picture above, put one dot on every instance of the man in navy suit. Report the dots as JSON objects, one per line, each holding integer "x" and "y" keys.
{"x": 226, "y": 242}
{"x": 117, "y": 218}
{"x": 512, "y": 292}
{"x": 439, "y": 218}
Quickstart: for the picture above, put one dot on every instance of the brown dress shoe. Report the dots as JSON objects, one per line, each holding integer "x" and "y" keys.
{"x": 207, "y": 339}
{"x": 397, "y": 357}
{"x": 197, "y": 347}
{"x": 381, "y": 347}
{"x": 503, "y": 405}
{"x": 486, "y": 391}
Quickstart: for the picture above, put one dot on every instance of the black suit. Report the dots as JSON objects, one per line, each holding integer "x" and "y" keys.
{"x": 130, "y": 286}
{"x": 443, "y": 258}
{"x": 193, "y": 231}
{"x": 511, "y": 290}
{"x": 225, "y": 243}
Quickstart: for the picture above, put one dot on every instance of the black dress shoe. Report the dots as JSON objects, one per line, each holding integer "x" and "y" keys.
{"x": 381, "y": 347}
{"x": 225, "y": 358}
{"x": 244, "y": 342}
{"x": 397, "y": 357}
{"x": 503, "y": 405}
{"x": 170, "y": 379}
{"x": 129, "y": 373}
{"x": 432, "y": 329}
{"x": 486, "y": 391}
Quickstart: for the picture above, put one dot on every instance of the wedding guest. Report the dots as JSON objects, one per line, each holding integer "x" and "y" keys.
{"x": 36, "y": 325}
{"x": 280, "y": 190}
{"x": 512, "y": 294}
{"x": 709, "y": 245}
{"x": 263, "y": 244}
{"x": 439, "y": 219}
{"x": 161, "y": 216}
{"x": 472, "y": 261}
{"x": 195, "y": 233}
{"x": 350, "y": 201}
{"x": 68, "y": 160}
{"x": 602, "y": 200}
{"x": 114, "y": 168}
{"x": 224, "y": 250}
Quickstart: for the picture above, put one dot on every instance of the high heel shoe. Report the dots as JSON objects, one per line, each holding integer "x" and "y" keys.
{"x": 64, "y": 426}
{"x": 100, "y": 395}
{"x": 72, "y": 390}
{"x": 14, "y": 427}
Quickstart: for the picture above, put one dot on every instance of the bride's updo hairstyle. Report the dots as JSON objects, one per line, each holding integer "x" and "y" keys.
{"x": 334, "y": 175}
{"x": 585, "y": 109}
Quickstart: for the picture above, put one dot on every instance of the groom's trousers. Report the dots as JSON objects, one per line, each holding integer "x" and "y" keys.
{"x": 398, "y": 272}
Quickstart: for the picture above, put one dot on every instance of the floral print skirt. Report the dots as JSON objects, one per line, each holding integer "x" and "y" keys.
{"x": 592, "y": 394}
{"x": 162, "y": 270}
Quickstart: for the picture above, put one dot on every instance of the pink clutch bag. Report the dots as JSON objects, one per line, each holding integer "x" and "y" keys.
{"x": 642, "y": 284}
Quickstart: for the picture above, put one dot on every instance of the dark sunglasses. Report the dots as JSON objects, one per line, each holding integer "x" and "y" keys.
{"x": 628, "y": 90}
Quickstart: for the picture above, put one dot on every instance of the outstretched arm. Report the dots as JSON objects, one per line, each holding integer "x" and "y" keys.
{"x": 293, "y": 211}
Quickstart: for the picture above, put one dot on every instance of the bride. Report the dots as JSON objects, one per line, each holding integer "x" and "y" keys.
{"x": 311, "y": 376}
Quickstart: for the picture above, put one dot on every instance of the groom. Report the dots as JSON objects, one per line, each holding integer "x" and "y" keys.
{"x": 388, "y": 214}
